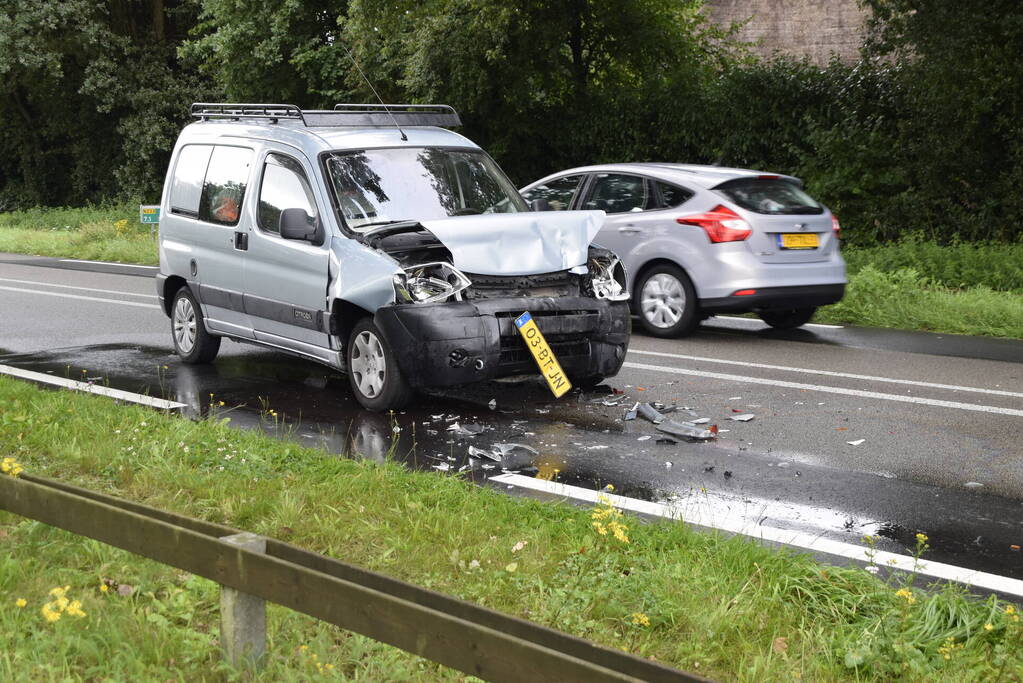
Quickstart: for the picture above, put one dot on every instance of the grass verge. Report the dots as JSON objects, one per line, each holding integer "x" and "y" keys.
{"x": 724, "y": 607}
{"x": 93, "y": 233}
{"x": 974, "y": 289}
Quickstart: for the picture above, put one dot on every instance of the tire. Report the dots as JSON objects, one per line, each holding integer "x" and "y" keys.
{"x": 588, "y": 382}
{"x": 787, "y": 318}
{"x": 192, "y": 342}
{"x": 373, "y": 372}
{"x": 665, "y": 301}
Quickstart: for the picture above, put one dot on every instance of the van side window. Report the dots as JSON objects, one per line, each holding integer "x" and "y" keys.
{"x": 186, "y": 188}
{"x": 284, "y": 186}
{"x": 224, "y": 189}
{"x": 558, "y": 192}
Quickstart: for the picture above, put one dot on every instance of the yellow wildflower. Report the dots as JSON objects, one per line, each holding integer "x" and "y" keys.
{"x": 921, "y": 538}
{"x": 1010, "y": 609}
{"x": 601, "y": 529}
{"x": 59, "y": 592}
{"x": 75, "y": 609}
{"x": 103, "y": 588}
{"x": 907, "y": 594}
{"x": 640, "y": 619}
{"x": 51, "y": 615}
{"x": 20, "y": 602}
{"x": 988, "y": 627}
{"x": 619, "y": 529}
{"x": 11, "y": 466}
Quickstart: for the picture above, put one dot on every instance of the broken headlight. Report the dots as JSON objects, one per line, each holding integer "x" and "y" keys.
{"x": 430, "y": 283}
{"x": 606, "y": 278}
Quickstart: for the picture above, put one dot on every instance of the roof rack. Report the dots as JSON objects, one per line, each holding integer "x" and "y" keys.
{"x": 342, "y": 115}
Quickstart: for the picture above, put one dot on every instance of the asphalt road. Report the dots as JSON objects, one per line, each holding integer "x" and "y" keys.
{"x": 936, "y": 418}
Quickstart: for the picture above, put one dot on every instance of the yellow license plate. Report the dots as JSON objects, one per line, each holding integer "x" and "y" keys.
{"x": 799, "y": 240}
{"x": 549, "y": 367}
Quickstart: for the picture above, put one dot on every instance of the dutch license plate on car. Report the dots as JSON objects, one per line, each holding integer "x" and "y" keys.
{"x": 543, "y": 355}
{"x": 796, "y": 240}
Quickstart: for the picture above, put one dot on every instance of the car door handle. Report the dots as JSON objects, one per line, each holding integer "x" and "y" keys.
{"x": 241, "y": 241}
{"x": 628, "y": 229}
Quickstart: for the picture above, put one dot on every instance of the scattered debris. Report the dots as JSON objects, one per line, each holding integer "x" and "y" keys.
{"x": 857, "y": 442}
{"x": 631, "y": 413}
{"x": 443, "y": 467}
{"x": 701, "y": 421}
{"x": 466, "y": 430}
{"x": 667, "y": 464}
{"x": 745, "y": 417}
{"x": 480, "y": 453}
{"x": 687, "y": 429}
{"x": 783, "y": 465}
{"x": 973, "y": 485}
{"x": 493, "y": 403}
{"x": 666, "y": 441}
{"x": 709, "y": 468}
{"x": 648, "y": 412}
{"x": 643, "y": 438}
{"x": 728, "y": 474}
{"x": 735, "y": 398}
{"x": 506, "y": 448}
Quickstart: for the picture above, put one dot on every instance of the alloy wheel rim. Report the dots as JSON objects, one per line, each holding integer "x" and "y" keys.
{"x": 184, "y": 325}
{"x": 368, "y": 365}
{"x": 662, "y": 300}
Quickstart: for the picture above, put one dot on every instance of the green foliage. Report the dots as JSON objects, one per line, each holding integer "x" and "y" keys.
{"x": 104, "y": 233}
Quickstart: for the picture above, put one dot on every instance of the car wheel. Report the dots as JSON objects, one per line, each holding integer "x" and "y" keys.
{"x": 787, "y": 319}
{"x": 192, "y": 342}
{"x": 665, "y": 301}
{"x": 373, "y": 372}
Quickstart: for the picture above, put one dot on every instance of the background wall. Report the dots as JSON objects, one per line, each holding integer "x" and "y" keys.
{"x": 812, "y": 28}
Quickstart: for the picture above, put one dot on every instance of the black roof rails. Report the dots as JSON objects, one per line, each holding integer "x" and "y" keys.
{"x": 236, "y": 110}
{"x": 341, "y": 115}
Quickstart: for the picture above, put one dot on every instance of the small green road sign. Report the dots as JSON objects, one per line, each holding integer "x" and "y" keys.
{"x": 149, "y": 214}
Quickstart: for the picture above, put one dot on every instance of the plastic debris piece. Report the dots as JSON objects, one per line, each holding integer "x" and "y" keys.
{"x": 643, "y": 438}
{"x": 666, "y": 441}
{"x": 629, "y": 415}
{"x": 465, "y": 430}
{"x": 735, "y": 398}
{"x": 443, "y": 467}
{"x": 437, "y": 417}
{"x": 784, "y": 464}
{"x": 543, "y": 411}
{"x": 668, "y": 409}
{"x": 728, "y": 474}
{"x": 493, "y": 403}
{"x": 701, "y": 421}
{"x": 709, "y": 468}
{"x": 506, "y": 448}
{"x": 687, "y": 429}
{"x": 1014, "y": 547}
{"x": 480, "y": 453}
{"x": 973, "y": 485}
{"x": 857, "y": 442}
{"x": 648, "y": 412}
{"x": 745, "y": 417}
{"x": 667, "y": 464}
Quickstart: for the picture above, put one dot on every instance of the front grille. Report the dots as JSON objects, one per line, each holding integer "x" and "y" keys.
{"x": 561, "y": 283}
{"x": 514, "y": 351}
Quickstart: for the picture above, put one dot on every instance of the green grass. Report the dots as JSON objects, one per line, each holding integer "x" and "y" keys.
{"x": 93, "y": 233}
{"x": 913, "y": 284}
{"x": 725, "y": 607}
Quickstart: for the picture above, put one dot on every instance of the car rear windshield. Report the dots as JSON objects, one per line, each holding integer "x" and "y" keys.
{"x": 379, "y": 186}
{"x": 769, "y": 195}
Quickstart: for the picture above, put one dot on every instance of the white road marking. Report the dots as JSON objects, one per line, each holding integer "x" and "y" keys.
{"x": 828, "y": 373}
{"x": 830, "y": 390}
{"x": 84, "y": 289}
{"x": 738, "y": 524}
{"x": 762, "y": 323}
{"x": 91, "y": 388}
{"x": 64, "y": 295}
{"x": 109, "y": 263}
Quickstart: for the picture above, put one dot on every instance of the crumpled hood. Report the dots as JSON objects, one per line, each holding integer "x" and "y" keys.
{"x": 525, "y": 243}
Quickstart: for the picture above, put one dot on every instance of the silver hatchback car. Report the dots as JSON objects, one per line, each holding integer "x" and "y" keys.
{"x": 701, "y": 240}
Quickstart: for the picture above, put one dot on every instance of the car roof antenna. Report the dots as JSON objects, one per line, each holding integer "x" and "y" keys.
{"x": 404, "y": 138}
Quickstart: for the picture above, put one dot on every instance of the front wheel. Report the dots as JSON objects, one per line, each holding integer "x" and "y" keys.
{"x": 373, "y": 372}
{"x": 665, "y": 300}
{"x": 188, "y": 328}
{"x": 787, "y": 319}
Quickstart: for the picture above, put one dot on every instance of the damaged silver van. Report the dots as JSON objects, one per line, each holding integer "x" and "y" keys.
{"x": 377, "y": 242}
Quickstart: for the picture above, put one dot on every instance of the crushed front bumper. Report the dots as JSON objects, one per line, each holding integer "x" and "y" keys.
{"x": 468, "y": 341}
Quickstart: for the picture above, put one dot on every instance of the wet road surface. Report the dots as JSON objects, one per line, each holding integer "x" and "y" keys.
{"x": 940, "y": 427}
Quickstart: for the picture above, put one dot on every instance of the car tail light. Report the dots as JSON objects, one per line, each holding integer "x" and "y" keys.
{"x": 720, "y": 223}
{"x": 835, "y": 227}
{"x": 744, "y": 292}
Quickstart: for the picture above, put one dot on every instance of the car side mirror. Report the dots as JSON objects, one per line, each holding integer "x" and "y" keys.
{"x": 539, "y": 204}
{"x": 296, "y": 224}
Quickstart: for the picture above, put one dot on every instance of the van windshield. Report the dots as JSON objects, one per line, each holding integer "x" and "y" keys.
{"x": 378, "y": 186}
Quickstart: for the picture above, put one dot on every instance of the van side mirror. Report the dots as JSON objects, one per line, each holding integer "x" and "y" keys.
{"x": 539, "y": 204}
{"x": 296, "y": 224}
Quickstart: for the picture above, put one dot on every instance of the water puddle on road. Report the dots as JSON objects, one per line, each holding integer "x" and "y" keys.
{"x": 491, "y": 428}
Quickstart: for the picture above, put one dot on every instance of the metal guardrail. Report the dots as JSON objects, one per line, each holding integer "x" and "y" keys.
{"x": 452, "y": 632}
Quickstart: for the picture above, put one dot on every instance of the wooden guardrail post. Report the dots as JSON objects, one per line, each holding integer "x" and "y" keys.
{"x": 243, "y": 616}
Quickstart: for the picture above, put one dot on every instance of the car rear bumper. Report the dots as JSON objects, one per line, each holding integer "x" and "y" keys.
{"x": 462, "y": 342}
{"x": 767, "y": 298}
